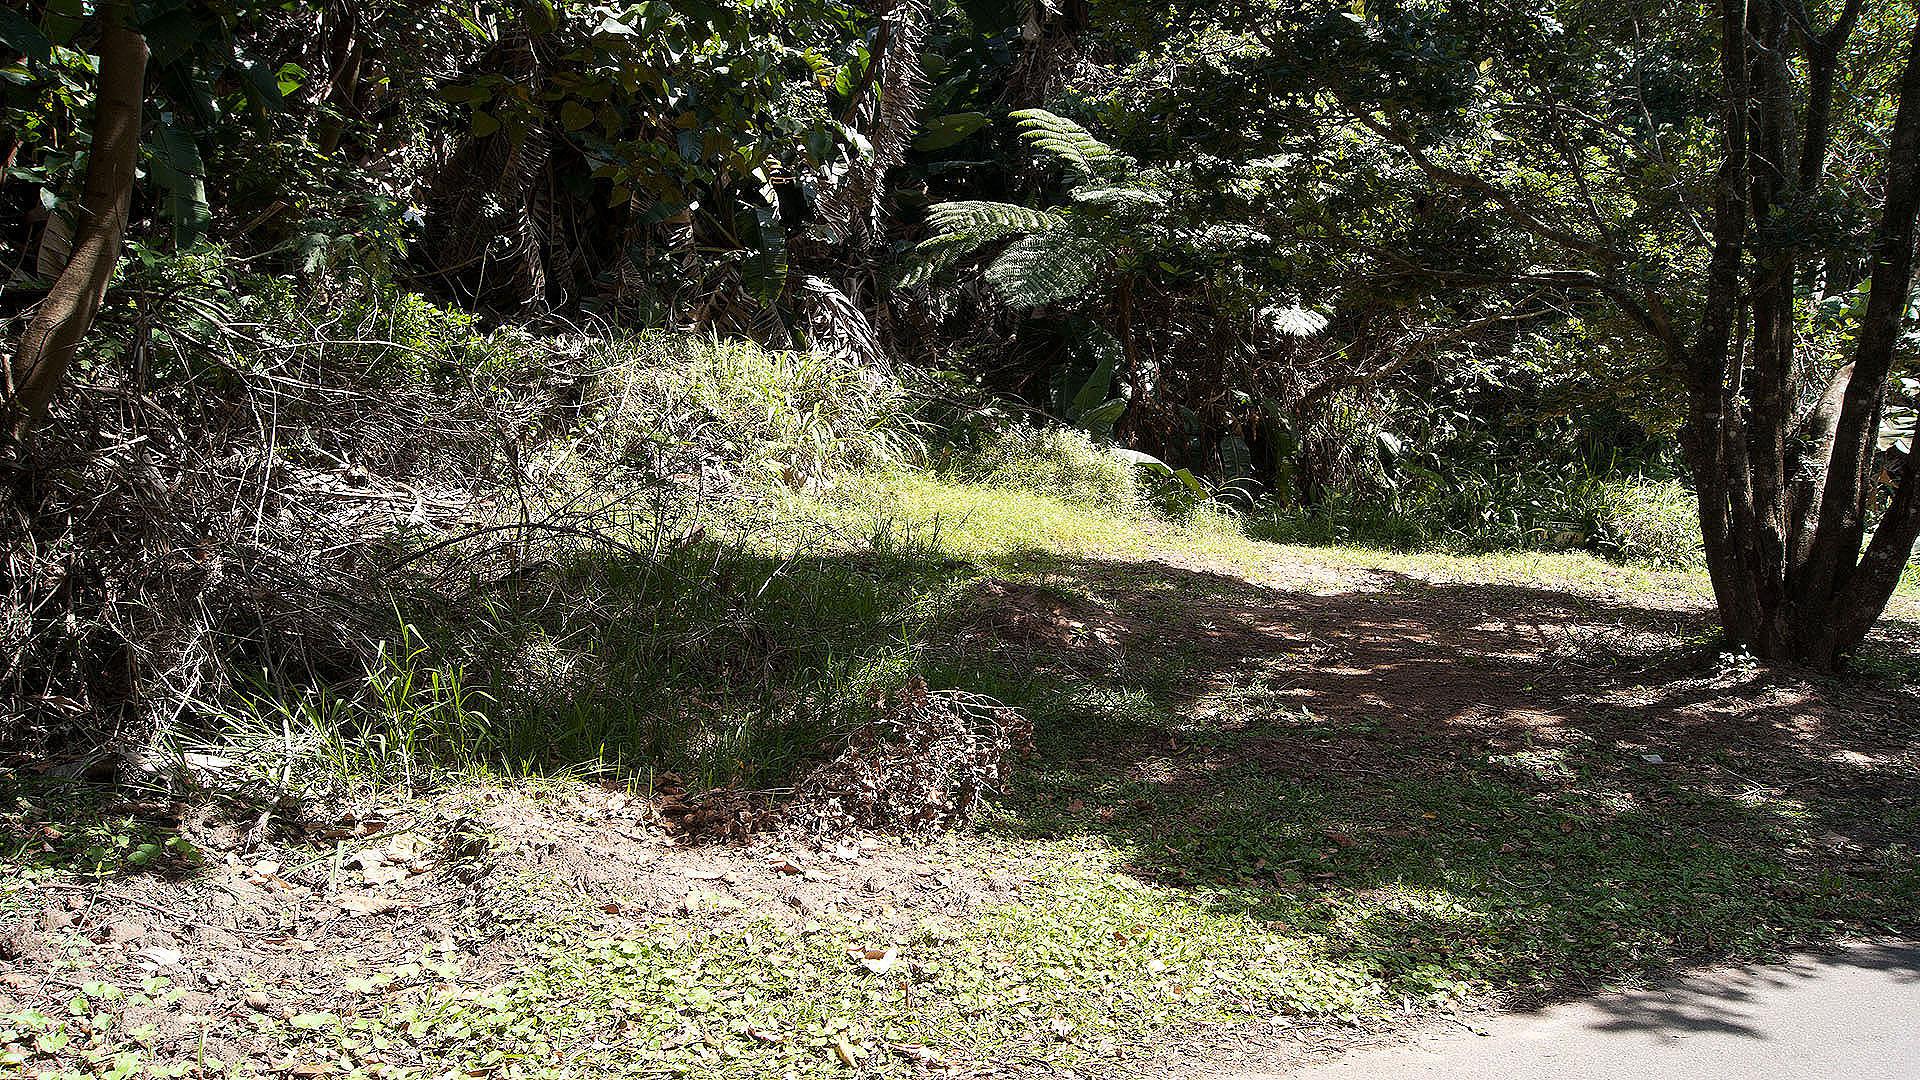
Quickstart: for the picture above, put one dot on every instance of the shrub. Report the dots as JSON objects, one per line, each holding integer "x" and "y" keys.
{"x": 1057, "y": 461}
{"x": 1650, "y": 521}
{"x": 799, "y": 416}
{"x": 1213, "y": 518}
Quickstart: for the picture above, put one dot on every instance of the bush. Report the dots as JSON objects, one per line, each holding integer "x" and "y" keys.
{"x": 1650, "y": 521}
{"x": 1057, "y": 461}
{"x": 1484, "y": 506}
{"x": 799, "y": 416}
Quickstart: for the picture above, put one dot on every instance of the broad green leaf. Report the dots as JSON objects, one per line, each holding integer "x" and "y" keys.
{"x": 945, "y": 131}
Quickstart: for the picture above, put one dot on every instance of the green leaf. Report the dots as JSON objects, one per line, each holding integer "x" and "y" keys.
{"x": 176, "y": 169}
{"x": 764, "y": 272}
{"x": 986, "y": 222}
{"x": 63, "y": 20}
{"x": 1070, "y": 144}
{"x": 1143, "y": 460}
{"x": 1047, "y": 268}
{"x": 21, "y": 36}
{"x": 575, "y": 116}
{"x": 945, "y": 131}
{"x": 1100, "y": 419}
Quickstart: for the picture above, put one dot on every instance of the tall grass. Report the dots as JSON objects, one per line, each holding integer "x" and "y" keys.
{"x": 729, "y": 659}
{"x": 1488, "y": 506}
{"x": 1061, "y": 462}
{"x": 796, "y": 417}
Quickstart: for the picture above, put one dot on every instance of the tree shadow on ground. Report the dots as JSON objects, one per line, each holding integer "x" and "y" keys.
{"x": 1484, "y": 784}
{"x": 1726, "y": 1001}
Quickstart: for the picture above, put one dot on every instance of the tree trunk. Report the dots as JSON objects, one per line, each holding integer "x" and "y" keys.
{"x": 1785, "y": 508}
{"x": 61, "y": 321}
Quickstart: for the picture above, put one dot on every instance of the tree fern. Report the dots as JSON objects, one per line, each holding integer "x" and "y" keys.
{"x": 1118, "y": 198}
{"x": 1292, "y": 321}
{"x": 986, "y": 222}
{"x": 1055, "y": 255}
{"x": 962, "y": 228}
{"x": 935, "y": 255}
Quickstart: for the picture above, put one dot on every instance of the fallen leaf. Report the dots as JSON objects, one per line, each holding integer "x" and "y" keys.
{"x": 878, "y": 961}
{"x": 160, "y": 957}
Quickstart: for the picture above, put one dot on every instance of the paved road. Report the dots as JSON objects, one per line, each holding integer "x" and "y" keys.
{"x": 1854, "y": 1015}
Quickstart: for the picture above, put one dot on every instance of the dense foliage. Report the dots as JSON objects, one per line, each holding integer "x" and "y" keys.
{"x": 1408, "y": 273}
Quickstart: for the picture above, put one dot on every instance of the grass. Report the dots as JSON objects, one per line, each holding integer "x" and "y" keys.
{"x": 1271, "y": 781}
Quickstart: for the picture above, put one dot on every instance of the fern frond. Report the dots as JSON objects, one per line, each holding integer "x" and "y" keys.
{"x": 1293, "y": 321}
{"x": 989, "y": 221}
{"x": 936, "y": 254}
{"x": 1118, "y": 199}
{"x": 1047, "y": 268}
{"x": 1069, "y": 143}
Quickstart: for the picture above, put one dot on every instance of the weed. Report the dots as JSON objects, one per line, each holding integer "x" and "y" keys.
{"x": 1061, "y": 462}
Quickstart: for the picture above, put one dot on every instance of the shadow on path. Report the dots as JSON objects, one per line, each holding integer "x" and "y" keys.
{"x": 1456, "y": 786}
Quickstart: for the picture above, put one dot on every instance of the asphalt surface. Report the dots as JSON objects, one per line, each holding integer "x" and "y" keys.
{"x": 1851, "y": 1015}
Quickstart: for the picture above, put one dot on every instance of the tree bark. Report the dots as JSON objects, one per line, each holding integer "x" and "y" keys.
{"x": 60, "y": 323}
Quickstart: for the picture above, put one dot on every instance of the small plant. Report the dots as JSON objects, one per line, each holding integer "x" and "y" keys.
{"x": 1649, "y": 521}
{"x": 1055, "y": 461}
{"x": 408, "y": 716}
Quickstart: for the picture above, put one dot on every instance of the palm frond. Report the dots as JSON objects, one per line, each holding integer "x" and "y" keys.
{"x": 837, "y": 327}
{"x": 882, "y": 123}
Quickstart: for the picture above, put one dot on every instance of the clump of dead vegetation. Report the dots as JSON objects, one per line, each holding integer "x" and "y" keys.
{"x": 927, "y": 761}
{"x": 251, "y": 492}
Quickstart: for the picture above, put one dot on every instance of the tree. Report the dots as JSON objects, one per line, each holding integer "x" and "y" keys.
{"x": 39, "y": 365}
{"x": 1728, "y": 188}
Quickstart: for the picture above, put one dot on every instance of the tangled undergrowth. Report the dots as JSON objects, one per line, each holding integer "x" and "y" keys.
{"x": 1275, "y": 793}
{"x": 270, "y": 514}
